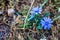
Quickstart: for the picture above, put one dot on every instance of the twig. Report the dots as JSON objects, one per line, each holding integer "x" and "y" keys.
{"x": 29, "y": 11}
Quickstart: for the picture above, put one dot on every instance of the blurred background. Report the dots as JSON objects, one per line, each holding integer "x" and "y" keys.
{"x": 29, "y": 19}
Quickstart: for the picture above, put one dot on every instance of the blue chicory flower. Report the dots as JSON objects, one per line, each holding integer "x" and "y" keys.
{"x": 36, "y": 10}
{"x": 46, "y": 23}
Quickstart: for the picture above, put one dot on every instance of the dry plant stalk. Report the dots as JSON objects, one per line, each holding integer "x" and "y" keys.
{"x": 19, "y": 20}
{"x": 29, "y": 11}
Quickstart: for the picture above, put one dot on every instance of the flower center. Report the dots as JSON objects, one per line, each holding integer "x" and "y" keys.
{"x": 46, "y": 23}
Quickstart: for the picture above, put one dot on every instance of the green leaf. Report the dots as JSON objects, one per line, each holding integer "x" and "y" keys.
{"x": 45, "y": 1}
{"x": 21, "y": 26}
{"x": 47, "y": 14}
{"x": 39, "y": 27}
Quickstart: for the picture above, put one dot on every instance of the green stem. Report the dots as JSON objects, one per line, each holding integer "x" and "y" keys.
{"x": 56, "y": 18}
{"x": 45, "y": 1}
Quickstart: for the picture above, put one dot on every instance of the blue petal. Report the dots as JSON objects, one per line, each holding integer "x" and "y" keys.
{"x": 45, "y": 27}
{"x": 40, "y": 10}
{"x": 49, "y": 26}
{"x": 50, "y": 21}
{"x": 45, "y": 18}
{"x": 42, "y": 22}
{"x": 33, "y": 13}
{"x": 35, "y": 9}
